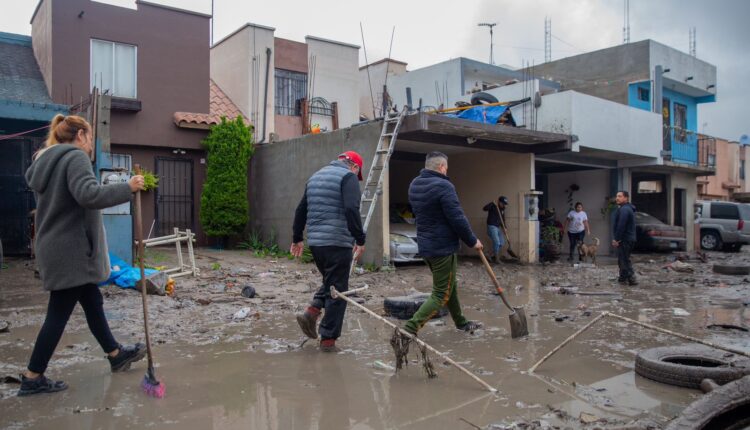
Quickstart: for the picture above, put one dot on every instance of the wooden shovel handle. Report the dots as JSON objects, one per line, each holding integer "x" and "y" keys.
{"x": 490, "y": 272}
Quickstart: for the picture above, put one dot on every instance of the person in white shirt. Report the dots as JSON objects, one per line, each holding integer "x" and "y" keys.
{"x": 577, "y": 226}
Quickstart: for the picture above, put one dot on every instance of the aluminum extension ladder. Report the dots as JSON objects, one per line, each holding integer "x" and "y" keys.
{"x": 374, "y": 182}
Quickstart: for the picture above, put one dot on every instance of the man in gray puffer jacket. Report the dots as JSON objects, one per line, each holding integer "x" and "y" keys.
{"x": 330, "y": 211}
{"x": 71, "y": 247}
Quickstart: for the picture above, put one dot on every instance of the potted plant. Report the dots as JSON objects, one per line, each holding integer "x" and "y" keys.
{"x": 551, "y": 243}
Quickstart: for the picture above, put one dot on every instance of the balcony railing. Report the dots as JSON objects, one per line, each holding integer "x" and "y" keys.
{"x": 689, "y": 147}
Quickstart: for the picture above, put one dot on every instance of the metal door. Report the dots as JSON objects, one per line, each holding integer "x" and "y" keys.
{"x": 16, "y": 198}
{"x": 174, "y": 195}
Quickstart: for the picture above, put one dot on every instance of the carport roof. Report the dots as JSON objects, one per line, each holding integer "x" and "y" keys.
{"x": 438, "y": 129}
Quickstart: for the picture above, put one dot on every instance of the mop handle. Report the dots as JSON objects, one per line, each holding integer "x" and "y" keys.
{"x": 142, "y": 281}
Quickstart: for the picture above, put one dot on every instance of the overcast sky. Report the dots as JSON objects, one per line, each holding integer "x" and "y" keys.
{"x": 428, "y": 32}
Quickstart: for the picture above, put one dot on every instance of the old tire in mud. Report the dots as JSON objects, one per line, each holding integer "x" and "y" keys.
{"x": 688, "y": 365}
{"x": 726, "y": 408}
{"x": 731, "y": 269}
{"x": 404, "y": 307}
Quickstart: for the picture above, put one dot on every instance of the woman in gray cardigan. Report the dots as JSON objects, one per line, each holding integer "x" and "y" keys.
{"x": 71, "y": 247}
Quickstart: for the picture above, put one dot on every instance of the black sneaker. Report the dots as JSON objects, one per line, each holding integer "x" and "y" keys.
{"x": 127, "y": 355}
{"x": 40, "y": 384}
{"x": 470, "y": 326}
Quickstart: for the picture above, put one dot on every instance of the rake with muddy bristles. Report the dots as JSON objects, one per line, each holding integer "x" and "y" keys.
{"x": 401, "y": 344}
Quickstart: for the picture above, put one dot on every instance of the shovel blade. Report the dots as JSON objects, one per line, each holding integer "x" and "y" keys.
{"x": 518, "y": 325}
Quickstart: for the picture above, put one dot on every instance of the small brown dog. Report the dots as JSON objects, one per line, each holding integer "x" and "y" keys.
{"x": 588, "y": 250}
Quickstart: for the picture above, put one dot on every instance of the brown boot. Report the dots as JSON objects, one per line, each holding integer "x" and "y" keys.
{"x": 328, "y": 345}
{"x": 308, "y": 322}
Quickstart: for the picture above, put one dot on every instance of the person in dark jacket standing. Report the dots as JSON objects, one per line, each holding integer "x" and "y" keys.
{"x": 71, "y": 247}
{"x": 495, "y": 225}
{"x": 440, "y": 224}
{"x": 624, "y": 237}
{"x": 330, "y": 210}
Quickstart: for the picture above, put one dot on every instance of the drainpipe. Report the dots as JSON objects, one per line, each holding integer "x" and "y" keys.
{"x": 265, "y": 95}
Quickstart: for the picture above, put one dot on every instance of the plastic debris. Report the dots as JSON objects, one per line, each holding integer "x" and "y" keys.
{"x": 680, "y": 312}
{"x": 241, "y": 314}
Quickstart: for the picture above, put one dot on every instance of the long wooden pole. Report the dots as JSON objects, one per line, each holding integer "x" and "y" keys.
{"x": 336, "y": 295}
{"x": 639, "y": 323}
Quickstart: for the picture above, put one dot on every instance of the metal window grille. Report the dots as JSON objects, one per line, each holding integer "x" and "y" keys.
{"x": 122, "y": 161}
{"x": 291, "y": 87}
{"x": 320, "y": 106}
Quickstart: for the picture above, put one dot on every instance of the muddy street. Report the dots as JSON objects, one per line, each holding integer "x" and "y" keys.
{"x": 229, "y": 369}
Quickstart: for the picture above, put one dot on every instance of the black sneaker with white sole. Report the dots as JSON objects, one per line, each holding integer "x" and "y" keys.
{"x": 128, "y": 354}
{"x": 470, "y": 326}
{"x": 40, "y": 384}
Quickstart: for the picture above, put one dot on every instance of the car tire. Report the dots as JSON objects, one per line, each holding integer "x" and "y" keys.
{"x": 726, "y": 407}
{"x": 688, "y": 365}
{"x": 711, "y": 241}
{"x": 731, "y": 269}
{"x": 404, "y": 307}
{"x": 483, "y": 98}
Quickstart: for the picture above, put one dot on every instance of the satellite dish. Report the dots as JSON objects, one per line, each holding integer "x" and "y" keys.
{"x": 744, "y": 140}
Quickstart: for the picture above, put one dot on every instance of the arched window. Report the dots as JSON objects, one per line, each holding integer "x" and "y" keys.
{"x": 320, "y": 106}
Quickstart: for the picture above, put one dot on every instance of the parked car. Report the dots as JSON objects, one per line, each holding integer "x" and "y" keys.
{"x": 654, "y": 235}
{"x": 724, "y": 225}
{"x": 403, "y": 241}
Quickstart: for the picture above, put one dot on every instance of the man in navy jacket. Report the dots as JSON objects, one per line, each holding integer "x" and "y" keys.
{"x": 440, "y": 224}
{"x": 624, "y": 237}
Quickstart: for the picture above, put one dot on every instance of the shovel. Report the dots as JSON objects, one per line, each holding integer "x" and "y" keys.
{"x": 518, "y": 325}
{"x": 507, "y": 238}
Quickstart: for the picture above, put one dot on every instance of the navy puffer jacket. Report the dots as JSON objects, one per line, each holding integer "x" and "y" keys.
{"x": 440, "y": 219}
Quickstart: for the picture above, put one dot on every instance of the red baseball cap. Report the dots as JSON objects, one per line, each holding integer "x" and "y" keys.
{"x": 354, "y": 158}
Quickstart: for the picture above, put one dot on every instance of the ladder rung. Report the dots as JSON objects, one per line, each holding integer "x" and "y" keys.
{"x": 368, "y": 200}
{"x": 377, "y": 168}
{"x": 382, "y": 151}
{"x": 392, "y": 119}
{"x": 387, "y": 134}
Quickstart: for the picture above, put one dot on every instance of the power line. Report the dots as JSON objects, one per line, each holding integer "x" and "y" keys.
{"x": 569, "y": 44}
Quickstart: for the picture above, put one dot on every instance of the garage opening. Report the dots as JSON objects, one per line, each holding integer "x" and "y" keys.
{"x": 649, "y": 195}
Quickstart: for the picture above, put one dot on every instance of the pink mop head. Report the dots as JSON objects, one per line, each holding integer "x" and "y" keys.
{"x": 151, "y": 386}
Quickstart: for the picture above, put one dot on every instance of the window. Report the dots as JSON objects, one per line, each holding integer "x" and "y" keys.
{"x": 121, "y": 161}
{"x": 724, "y": 211}
{"x": 291, "y": 87}
{"x": 113, "y": 68}
{"x": 680, "y": 122}
{"x": 644, "y": 94}
{"x": 649, "y": 187}
{"x": 742, "y": 170}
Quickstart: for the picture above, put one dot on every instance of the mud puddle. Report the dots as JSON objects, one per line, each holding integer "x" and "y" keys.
{"x": 251, "y": 373}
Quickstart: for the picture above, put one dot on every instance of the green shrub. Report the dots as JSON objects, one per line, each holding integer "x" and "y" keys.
{"x": 224, "y": 205}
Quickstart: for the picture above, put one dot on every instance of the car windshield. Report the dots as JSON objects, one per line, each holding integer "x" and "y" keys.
{"x": 644, "y": 218}
{"x": 745, "y": 211}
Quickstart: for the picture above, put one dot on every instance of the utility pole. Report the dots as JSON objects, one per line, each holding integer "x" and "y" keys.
{"x": 490, "y": 25}
{"x": 547, "y": 39}
{"x": 626, "y": 25}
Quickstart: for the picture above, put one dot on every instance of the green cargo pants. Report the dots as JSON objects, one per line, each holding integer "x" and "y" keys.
{"x": 444, "y": 292}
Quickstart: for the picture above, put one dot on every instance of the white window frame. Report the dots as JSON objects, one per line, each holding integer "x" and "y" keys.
{"x": 114, "y": 69}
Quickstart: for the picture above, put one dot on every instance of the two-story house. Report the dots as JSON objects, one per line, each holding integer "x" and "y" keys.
{"x": 287, "y": 88}
{"x": 154, "y": 61}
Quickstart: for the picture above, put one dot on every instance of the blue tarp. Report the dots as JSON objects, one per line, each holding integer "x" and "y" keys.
{"x": 483, "y": 114}
{"x": 124, "y": 275}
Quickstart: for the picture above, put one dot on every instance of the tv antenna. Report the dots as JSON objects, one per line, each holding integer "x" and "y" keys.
{"x": 547, "y": 39}
{"x": 490, "y": 25}
{"x": 626, "y": 25}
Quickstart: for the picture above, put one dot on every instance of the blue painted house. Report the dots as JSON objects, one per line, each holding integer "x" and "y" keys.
{"x": 25, "y": 111}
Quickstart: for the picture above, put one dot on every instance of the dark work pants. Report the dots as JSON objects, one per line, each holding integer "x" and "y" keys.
{"x": 623, "y": 260}
{"x": 334, "y": 263}
{"x": 574, "y": 238}
{"x": 61, "y": 305}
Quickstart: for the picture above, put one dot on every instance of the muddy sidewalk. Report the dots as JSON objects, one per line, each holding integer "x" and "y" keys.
{"x": 234, "y": 362}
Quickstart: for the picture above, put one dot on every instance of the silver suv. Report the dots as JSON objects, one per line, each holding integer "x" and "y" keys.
{"x": 724, "y": 225}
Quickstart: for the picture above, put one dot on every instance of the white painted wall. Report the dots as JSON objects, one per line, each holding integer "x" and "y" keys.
{"x": 438, "y": 82}
{"x": 602, "y": 124}
{"x": 682, "y": 65}
{"x": 376, "y": 78}
{"x": 238, "y": 66}
{"x": 336, "y": 76}
{"x": 594, "y": 187}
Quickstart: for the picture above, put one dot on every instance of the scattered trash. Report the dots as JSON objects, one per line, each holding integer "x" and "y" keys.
{"x": 727, "y": 327}
{"x": 680, "y": 312}
{"x": 248, "y": 291}
{"x": 156, "y": 283}
{"x": 4, "y": 326}
{"x": 10, "y": 380}
{"x": 241, "y": 314}
{"x": 679, "y": 266}
{"x": 588, "y": 418}
{"x": 169, "y": 289}
{"x": 203, "y": 301}
{"x": 382, "y": 366}
{"x": 561, "y": 318}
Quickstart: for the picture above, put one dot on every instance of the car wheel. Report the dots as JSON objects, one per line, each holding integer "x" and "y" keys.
{"x": 688, "y": 365}
{"x": 404, "y": 307}
{"x": 726, "y": 407}
{"x": 711, "y": 241}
